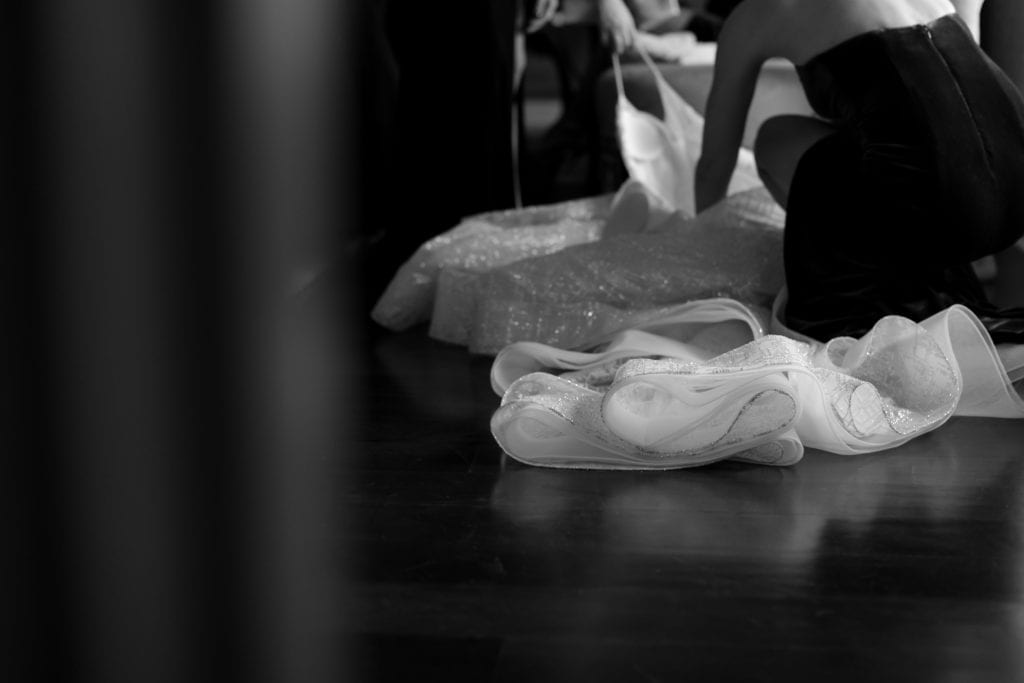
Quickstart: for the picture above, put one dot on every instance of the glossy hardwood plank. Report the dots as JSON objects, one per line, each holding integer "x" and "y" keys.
{"x": 896, "y": 566}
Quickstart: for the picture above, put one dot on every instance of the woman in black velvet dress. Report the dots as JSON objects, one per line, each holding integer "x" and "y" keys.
{"x": 914, "y": 169}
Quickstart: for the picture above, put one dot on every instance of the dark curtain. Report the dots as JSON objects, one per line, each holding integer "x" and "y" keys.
{"x": 168, "y": 167}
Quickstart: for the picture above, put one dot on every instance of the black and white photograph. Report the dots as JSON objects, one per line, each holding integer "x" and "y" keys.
{"x": 491, "y": 341}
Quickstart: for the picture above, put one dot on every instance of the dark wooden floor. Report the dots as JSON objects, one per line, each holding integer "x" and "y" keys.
{"x": 906, "y": 565}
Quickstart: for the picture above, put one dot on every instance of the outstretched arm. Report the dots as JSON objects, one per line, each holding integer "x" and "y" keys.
{"x": 970, "y": 12}
{"x": 618, "y": 27}
{"x": 738, "y": 61}
{"x": 543, "y": 12}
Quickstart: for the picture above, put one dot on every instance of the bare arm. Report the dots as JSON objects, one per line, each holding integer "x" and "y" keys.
{"x": 543, "y": 12}
{"x": 618, "y": 28}
{"x": 970, "y": 12}
{"x": 737, "y": 65}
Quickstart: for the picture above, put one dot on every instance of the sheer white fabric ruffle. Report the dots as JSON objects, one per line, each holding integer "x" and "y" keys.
{"x": 481, "y": 243}
{"x": 662, "y": 153}
{"x": 591, "y": 271}
{"x": 573, "y": 273}
{"x": 691, "y": 363}
{"x": 650, "y": 402}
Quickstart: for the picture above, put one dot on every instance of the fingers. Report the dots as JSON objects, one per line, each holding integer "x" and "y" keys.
{"x": 617, "y": 24}
{"x": 668, "y": 47}
{"x": 545, "y": 9}
{"x": 624, "y": 40}
{"x": 543, "y": 12}
{"x": 620, "y": 38}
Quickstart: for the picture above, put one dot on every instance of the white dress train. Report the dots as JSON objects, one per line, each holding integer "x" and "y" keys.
{"x": 669, "y": 406}
{"x": 630, "y": 334}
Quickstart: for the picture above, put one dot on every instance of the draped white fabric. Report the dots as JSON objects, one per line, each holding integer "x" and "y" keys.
{"x": 573, "y": 274}
{"x": 650, "y": 402}
{"x": 662, "y": 153}
{"x": 631, "y": 335}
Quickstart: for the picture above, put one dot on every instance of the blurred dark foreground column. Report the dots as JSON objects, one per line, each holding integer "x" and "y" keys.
{"x": 176, "y": 419}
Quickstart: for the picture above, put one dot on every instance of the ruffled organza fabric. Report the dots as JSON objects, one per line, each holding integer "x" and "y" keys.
{"x": 481, "y": 243}
{"x": 662, "y": 153}
{"x": 650, "y": 402}
{"x": 575, "y": 281}
{"x": 631, "y": 335}
{"x": 573, "y": 273}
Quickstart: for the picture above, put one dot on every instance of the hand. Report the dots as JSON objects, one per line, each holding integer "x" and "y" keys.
{"x": 668, "y": 47}
{"x": 617, "y": 25}
{"x": 543, "y": 12}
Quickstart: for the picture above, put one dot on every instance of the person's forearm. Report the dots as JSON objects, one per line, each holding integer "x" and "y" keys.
{"x": 969, "y": 11}
{"x": 617, "y": 24}
{"x": 1002, "y": 23}
{"x": 712, "y": 181}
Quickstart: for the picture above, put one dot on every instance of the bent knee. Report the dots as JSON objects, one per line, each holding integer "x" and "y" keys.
{"x": 779, "y": 135}
{"x": 769, "y": 155}
{"x": 782, "y": 140}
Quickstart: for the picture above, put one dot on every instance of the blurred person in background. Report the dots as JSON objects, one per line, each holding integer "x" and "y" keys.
{"x": 909, "y": 171}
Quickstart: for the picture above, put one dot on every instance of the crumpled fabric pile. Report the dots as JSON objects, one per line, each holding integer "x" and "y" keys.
{"x": 585, "y": 270}
{"x": 631, "y": 334}
{"x": 647, "y": 401}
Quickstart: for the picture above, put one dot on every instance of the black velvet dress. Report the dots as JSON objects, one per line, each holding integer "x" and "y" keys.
{"x": 925, "y": 175}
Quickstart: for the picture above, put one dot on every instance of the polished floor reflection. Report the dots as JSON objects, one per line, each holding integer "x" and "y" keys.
{"x": 906, "y": 565}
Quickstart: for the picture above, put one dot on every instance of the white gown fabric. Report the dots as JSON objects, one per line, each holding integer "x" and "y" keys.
{"x": 631, "y": 335}
{"x": 659, "y": 345}
{"x": 662, "y": 154}
{"x": 573, "y": 273}
{"x": 649, "y": 402}
{"x": 584, "y": 272}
